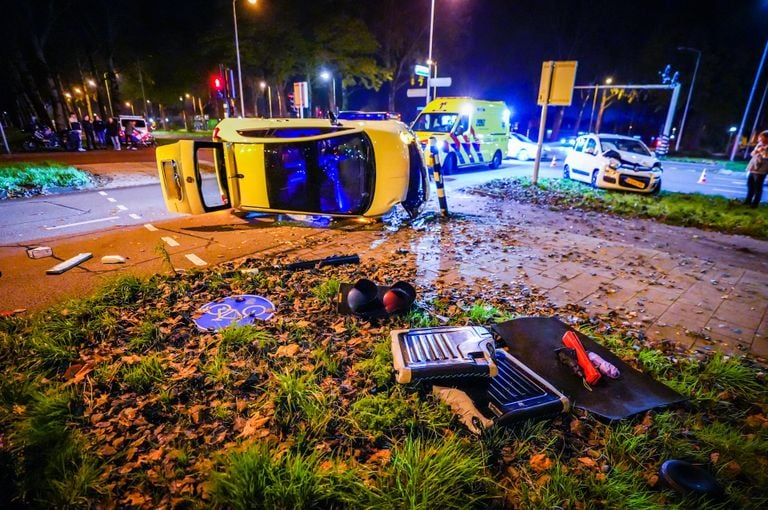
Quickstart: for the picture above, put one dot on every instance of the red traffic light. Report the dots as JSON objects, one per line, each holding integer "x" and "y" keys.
{"x": 217, "y": 82}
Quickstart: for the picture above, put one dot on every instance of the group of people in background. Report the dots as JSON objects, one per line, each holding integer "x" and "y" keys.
{"x": 95, "y": 133}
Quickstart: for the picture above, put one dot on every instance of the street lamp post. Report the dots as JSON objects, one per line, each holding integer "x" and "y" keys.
{"x": 237, "y": 51}
{"x": 433, "y": 63}
{"x": 749, "y": 103}
{"x": 331, "y": 79}
{"x": 431, "y": 32}
{"x": 263, "y": 86}
{"x": 690, "y": 93}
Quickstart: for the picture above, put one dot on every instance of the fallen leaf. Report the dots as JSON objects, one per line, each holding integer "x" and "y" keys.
{"x": 587, "y": 461}
{"x": 540, "y": 462}
{"x": 253, "y": 425}
{"x": 287, "y": 350}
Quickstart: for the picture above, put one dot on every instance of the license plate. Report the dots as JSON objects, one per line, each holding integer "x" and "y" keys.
{"x": 634, "y": 182}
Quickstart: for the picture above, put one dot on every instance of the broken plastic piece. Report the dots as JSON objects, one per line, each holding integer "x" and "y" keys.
{"x": 603, "y": 366}
{"x": 69, "y": 263}
{"x": 39, "y": 252}
{"x": 113, "y": 259}
{"x": 590, "y": 372}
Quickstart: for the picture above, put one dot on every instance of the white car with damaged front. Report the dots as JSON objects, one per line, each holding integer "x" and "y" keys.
{"x": 613, "y": 162}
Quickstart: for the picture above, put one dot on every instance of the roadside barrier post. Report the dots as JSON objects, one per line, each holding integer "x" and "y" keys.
{"x": 434, "y": 161}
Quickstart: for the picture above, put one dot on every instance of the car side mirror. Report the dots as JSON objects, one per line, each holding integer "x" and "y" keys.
{"x": 612, "y": 154}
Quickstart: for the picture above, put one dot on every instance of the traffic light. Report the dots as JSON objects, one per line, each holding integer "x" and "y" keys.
{"x": 217, "y": 84}
{"x": 291, "y": 107}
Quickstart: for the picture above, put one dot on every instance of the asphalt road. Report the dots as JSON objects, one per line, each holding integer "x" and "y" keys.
{"x": 33, "y": 219}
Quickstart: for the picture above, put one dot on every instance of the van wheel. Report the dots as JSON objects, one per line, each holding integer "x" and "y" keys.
{"x": 566, "y": 172}
{"x": 496, "y": 161}
{"x": 593, "y": 181}
{"x": 449, "y": 167}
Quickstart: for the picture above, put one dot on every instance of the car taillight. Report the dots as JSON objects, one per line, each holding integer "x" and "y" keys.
{"x": 216, "y": 134}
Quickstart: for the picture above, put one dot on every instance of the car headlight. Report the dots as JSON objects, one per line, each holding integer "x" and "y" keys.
{"x": 614, "y": 164}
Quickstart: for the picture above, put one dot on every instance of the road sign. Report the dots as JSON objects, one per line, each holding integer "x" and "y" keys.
{"x": 416, "y": 92}
{"x": 300, "y": 94}
{"x": 556, "y": 86}
{"x": 440, "y": 82}
{"x": 420, "y": 70}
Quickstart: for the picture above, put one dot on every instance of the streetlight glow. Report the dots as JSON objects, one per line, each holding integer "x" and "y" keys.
{"x": 77, "y": 90}
{"x": 237, "y": 52}
{"x": 92, "y": 83}
{"x": 608, "y": 81}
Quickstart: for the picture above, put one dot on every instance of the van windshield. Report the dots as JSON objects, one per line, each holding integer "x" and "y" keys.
{"x": 330, "y": 176}
{"x": 435, "y": 122}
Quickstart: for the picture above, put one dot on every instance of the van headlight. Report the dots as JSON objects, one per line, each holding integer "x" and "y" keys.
{"x": 614, "y": 164}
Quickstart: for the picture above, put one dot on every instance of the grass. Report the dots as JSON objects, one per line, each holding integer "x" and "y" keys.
{"x": 186, "y": 418}
{"x": 19, "y": 179}
{"x": 708, "y": 212}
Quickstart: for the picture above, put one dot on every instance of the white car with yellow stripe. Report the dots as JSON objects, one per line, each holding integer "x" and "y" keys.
{"x": 300, "y": 166}
{"x": 467, "y": 132}
{"x": 613, "y": 162}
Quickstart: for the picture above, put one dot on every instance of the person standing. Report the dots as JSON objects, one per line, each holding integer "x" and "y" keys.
{"x": 130, "y": 135}
{"x": 757, "y": 169}
{"x": 101, "y": 131}
{"x": 90, "y": 139}
{"x": 74, "y": 139}
{"x": 113, "y": 132}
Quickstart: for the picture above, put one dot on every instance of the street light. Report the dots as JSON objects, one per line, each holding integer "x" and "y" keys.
{"x": 749, "y": 103}
{"x": 433, "y": 63}
{"x": 327, "y": 76}
{"x": 263, "y": 86}
{"x": 128, "y": 104}
{"x": 431, "y": 32}
{"x": 237, "y": 51}
{"x": 690, "y": 93}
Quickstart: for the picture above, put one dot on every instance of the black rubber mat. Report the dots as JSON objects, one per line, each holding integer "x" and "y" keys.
{"x": 533, "y": 341}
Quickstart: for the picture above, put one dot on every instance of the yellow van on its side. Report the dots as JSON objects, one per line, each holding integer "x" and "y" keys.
{"x": 468, "y": 131}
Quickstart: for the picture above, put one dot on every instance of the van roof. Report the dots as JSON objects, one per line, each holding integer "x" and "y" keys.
{"x": 455, "y": 103}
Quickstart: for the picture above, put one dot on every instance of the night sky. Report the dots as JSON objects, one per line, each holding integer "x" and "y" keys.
{"x": 493, "y": 49}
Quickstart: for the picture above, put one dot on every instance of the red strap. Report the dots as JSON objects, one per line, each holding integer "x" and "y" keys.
{"x": 590, "y": 372}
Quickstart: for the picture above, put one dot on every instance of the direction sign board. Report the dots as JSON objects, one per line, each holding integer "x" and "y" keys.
{"x": 416, "y": 92}
{"x": 420, "y": 70}
{"x": 444, "y": 81}
{"x": 556, "y": 86}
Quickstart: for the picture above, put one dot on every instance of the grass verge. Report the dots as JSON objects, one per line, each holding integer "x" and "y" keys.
{"x": 24, "y": 179}
{"x": 708, "y": 212}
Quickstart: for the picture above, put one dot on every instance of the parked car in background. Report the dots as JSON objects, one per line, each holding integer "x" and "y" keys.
{"x": 297, "y": 166}
{"x": 613, "y": 162}
{"x": 142, "y": 129}
{"x": 522, "y": 148}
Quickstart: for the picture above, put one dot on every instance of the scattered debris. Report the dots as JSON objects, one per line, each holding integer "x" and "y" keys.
{"x": 69, "y": 263}
{"x": 113, "y": 259}
{"x": 39, "y": 252}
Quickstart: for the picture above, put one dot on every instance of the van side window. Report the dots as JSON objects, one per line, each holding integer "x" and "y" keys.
{"x": 591, "y": 147}
{"x": 579, "y": 147}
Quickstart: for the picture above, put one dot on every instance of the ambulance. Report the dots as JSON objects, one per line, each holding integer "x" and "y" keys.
{"x": 468, "y": 132}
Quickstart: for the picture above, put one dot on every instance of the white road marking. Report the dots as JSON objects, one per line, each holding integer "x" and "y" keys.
{"x": 721, "y": 189}
{"x": 112, "y": 199}
{"x": 103, "y": 193}
{"x": 82, "y": 223}
{"x": 150, "y": 227}
{"x": 134, "y": 216}
{"x": 122, "y": 207}
{"x": 171, "y": 241}
{"x": 195, "y": 259}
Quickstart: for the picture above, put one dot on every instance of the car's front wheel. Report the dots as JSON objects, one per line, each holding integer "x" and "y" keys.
{"x": 657, "y": 189}
{"x": 523, "y": 155}
{"x": 566, "y": 172}
{"x": 496, "y": 161}
{"x": 593, "y": 181}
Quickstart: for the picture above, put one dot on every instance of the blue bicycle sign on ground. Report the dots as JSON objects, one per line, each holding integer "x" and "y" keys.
{"x": 240, "y": 310}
